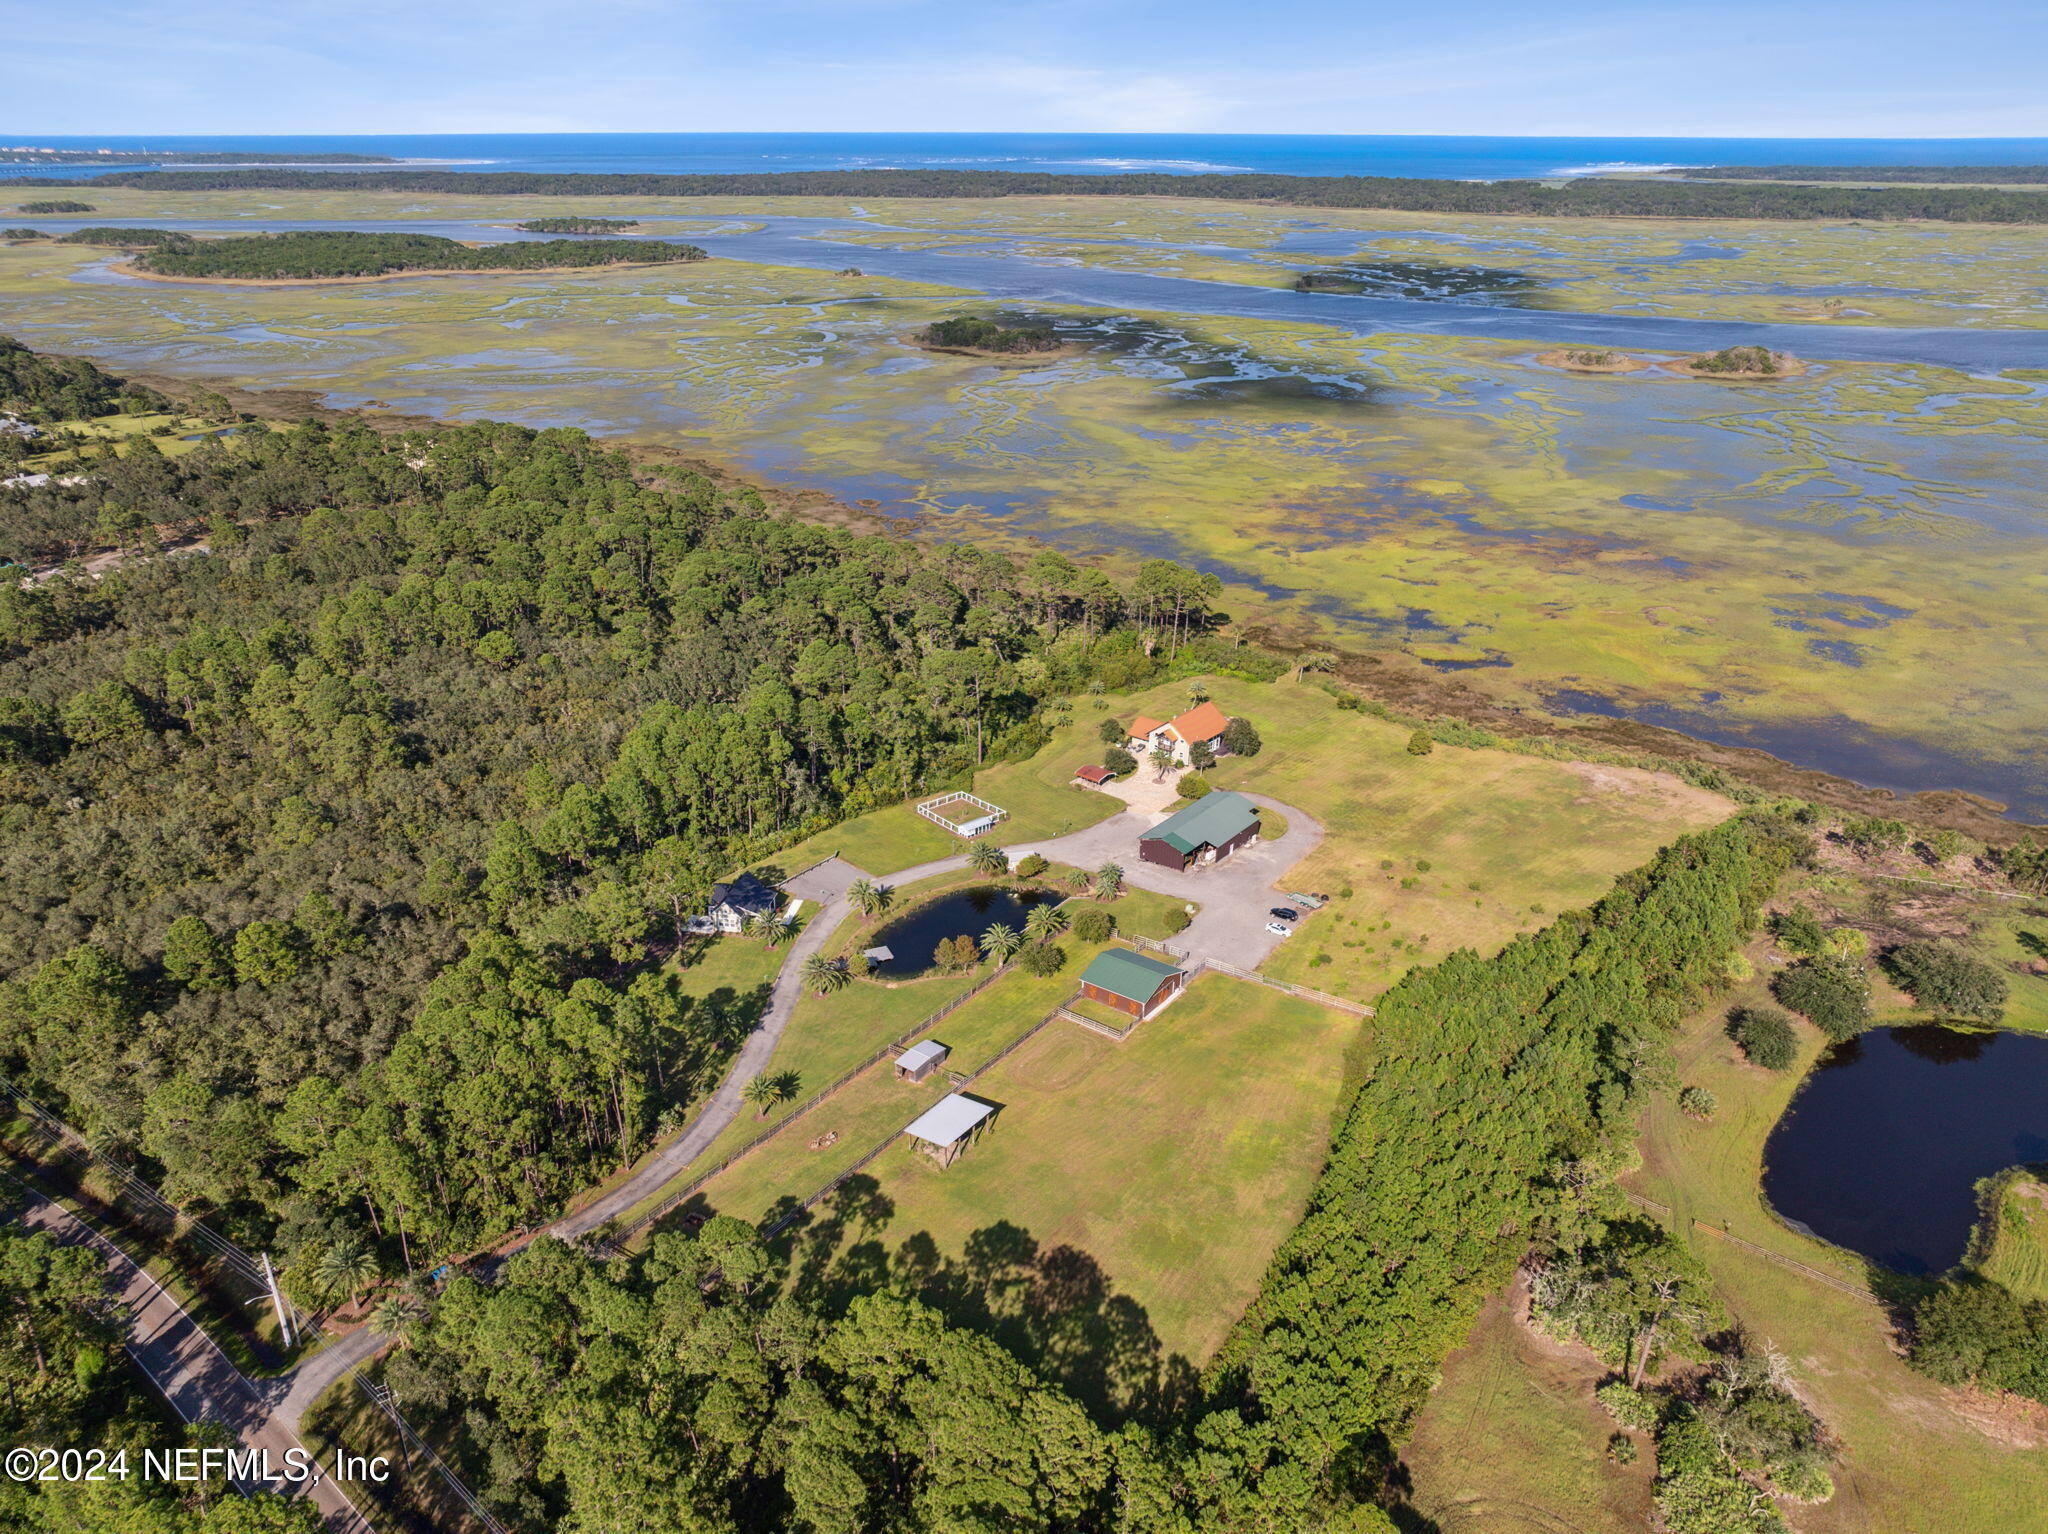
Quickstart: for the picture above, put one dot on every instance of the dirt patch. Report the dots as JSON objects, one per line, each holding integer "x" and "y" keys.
{"x": 1667, "y": 789}
{"x": 2006, "y": 1419}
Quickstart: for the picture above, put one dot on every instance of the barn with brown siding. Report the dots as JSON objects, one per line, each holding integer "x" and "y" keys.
{"x": 1207, "y": 831}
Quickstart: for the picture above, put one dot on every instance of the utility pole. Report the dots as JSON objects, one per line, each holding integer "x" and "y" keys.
{"x": 284, "y": 1315}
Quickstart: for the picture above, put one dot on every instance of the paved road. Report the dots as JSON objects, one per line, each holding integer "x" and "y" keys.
{"x": 1234, "y": 895}
{"x": 196, "y": 1377}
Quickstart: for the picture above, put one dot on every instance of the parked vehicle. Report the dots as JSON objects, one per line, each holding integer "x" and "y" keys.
{"x": 1281, "y": 913}
{"x": 1279, "y": 929}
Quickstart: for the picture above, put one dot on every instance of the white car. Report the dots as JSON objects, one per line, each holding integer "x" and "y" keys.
{"x": 1279, "y": 929}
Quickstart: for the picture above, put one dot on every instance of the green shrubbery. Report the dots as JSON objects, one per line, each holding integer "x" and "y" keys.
{"x": 1832, "y": 993}
{"x": 315, "y": 253}
{"x": 1947, "y": 981}
{"x": 1765, "y": 1036}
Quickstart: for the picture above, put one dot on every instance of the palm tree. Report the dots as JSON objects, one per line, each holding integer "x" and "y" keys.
{"x": 1045, "y": 923}
{"x": 347, "y": 1267}
{"x": 862, "y": 893}
{"x": 1109, "y": 881}
{"x": 765, "y": 1092}
{"x": 1001, "y": 941}
{"x": 1198, "y": 692}
{"x": 988, "y": 858}
{"x": 1077, "y": 880}
{"x": 770, "y": 928}
{"x": 823, "y": 975}
{"x": 396, "y": 1315}
{"x": 1162, "y": 761}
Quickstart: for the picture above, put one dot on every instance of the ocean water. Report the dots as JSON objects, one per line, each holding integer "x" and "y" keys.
{"x": 1456, "y": 157}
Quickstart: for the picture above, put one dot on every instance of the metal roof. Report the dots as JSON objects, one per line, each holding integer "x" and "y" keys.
{"x": 949, "y": 1119}
{"x": 1211, "y": 820}
{"x": 921, "y": 1054}
{"x": 1129, "y": 975}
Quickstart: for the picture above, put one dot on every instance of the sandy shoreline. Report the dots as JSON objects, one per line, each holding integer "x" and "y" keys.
{"x": 1561, "y": 358}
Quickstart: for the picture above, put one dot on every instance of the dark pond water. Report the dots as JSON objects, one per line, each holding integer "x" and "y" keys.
{"x": 913, "y": 940}
{"x": 1881, "y": 1150}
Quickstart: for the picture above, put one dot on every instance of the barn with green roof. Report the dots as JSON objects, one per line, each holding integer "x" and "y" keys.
{"x": 1207, "y": 831}
{"x": 1131, "y": 983}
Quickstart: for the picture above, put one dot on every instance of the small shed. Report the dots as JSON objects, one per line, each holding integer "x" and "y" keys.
{"x": 946, "y": 1128}
{"x": 920, "y": 1060}
{"x": 1131, "y": 983}
{"x": 1093, "y": 774}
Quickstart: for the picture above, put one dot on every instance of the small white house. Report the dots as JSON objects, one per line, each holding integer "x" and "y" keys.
{"x": 733, "y": 903}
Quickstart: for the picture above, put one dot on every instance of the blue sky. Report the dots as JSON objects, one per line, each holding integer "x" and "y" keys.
{"x": 1731, "y": 67}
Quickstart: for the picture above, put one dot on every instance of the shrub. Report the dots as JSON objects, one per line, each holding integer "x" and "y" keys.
{"x": 1832, "y": 994}
{"x": 1111, "y": 732}
{"x": 1241, "y": 739}
{"x": 1175, "y": 920}
{"x": 1945, "y": 980}
{"x": 1697, "y": 1102}
{"x": 1419, "y": 744}
{"x": 1627, "y": 1405}
{"x": 1119, "y": 761}
{"x": 1798, "y": 930}
{"x": 1092, "y": 924}
{"x": 1042, "y": 959}
{"x": 1765, "y": 1037}
{"x": 1803, "y": 1481}
{"x": 1621, "y": 1449}
{"x": 1030, "y": 866}
{"x": 1192, "y": 785}
{"x": 1972, "y": 1331}
{"x": 1872, "y": 834}
{"x": 1846, "y": 943}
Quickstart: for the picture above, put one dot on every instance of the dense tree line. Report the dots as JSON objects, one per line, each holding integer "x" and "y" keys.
{"x": 579, "y": 225}
{"x": 49, "y": 389}
{"x": 1486, "y": 1080}
{"x": 2011, "y": 175}
{"x": 1586, "y": 197}
{"x": 55, "y": 206}
{"x": 114, "y": 234}
{"x": 352, "y": 253}
{"x": 338, "y": 862}
{"x": 975, "y": 332}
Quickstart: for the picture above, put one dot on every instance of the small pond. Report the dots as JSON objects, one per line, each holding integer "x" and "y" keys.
{"x": 913, "y": 940}
{"x": 1881, "y": 1150}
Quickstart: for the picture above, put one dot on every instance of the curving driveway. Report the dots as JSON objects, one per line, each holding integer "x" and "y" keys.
{"x": 1234, "y": 895}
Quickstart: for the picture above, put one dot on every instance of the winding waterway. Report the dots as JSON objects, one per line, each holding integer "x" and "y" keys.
{"x": 1882, "y": 1149}
{"x": 1020, "y": 278}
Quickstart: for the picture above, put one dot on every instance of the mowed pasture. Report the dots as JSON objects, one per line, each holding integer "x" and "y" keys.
{"x": 2018, "y": 1257}
{"x": 1508, "y": 840}
{"x": 1176, "y": 1160}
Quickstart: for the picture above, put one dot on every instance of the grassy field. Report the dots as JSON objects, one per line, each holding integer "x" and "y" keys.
{"x": 1508, "y": 841}
{"x": 1175, "y": 1160}
{"x": 2018, "y": 1257}
{"x": 1512, "y": 1442}
{"x": 1040, "y": 806}
{"x": 2018, "y": 943}
{"x": 875, "y": 1104}
{"x": 1915, "y": 1458}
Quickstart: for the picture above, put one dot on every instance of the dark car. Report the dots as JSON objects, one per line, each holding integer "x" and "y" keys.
{"x": 1284, "y": 914}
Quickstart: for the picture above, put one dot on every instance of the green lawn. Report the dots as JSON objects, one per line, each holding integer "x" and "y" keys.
{"x": 1509, "y": 840}
{"x": 1037, "y": 793}
{"x": 876, "y": 1105}
{"x": 1176, "y": 1159}
{"x": 2021, "y": 940}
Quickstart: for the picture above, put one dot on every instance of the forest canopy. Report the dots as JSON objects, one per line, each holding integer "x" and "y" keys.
{"x": 47, "y": 389}
{"x": 1584, "y": 197}
{"x": 352, "y": 253}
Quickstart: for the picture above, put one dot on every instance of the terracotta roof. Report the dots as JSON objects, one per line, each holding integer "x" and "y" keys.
{"x": 1205, "y": 721}
{"x": 1145, "y": 725}
{"x": 1092, "y": 774}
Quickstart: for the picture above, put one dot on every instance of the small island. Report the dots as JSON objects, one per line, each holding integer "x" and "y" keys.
{"x": 578, "y": 225}
{"x": 1591, "y": 359}
{"x": 356, "y": 256}
{"x": 1746, "y": 363}
{"x": 55, "y": 206}
{"x": 978, "y": 336}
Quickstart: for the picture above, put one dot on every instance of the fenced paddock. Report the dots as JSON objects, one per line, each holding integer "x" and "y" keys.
{"x": 962, "y": 813}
